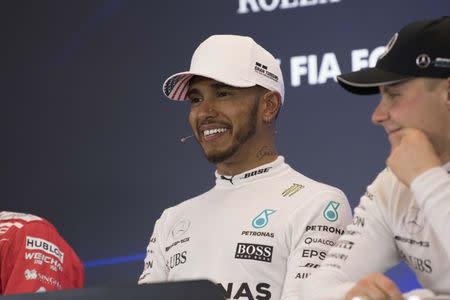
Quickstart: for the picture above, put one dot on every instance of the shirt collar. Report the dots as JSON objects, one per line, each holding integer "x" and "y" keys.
{"x": 260, "y": 172}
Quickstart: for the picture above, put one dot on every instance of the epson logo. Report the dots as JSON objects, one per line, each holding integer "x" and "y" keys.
{"x": 254, "y": 6}
{"x": 254, "y": 252}
{"x": 310, "y": 253}
{"x": 33, "y": 243}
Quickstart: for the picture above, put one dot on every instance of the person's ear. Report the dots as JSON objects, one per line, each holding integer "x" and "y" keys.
{"x": 271, "y": 106}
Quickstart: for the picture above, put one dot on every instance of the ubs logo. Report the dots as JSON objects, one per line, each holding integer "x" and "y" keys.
{"x": 413, "y": 221}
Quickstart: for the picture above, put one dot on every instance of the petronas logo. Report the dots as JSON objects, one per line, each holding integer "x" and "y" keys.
{"x": 262, "y": 219}
{"x": 330, "y": 212}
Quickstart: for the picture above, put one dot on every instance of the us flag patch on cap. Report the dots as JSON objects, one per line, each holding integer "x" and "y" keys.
{"x": 176, "y": 88}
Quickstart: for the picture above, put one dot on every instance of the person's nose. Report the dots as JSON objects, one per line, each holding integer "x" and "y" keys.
{"x": 207, "y": 109}
{"x": 381, "y": 112}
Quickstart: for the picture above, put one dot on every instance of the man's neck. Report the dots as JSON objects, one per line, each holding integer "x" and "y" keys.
{"x": 247, "y": 161}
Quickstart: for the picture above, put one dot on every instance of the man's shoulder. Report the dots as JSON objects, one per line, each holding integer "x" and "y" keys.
{"x": 16, "y": 221}
{"x": 313, "y": 185}
{"x": 386, "y": 182}
{"x": 7, "y": 216}
{"x": 195, "y": 201}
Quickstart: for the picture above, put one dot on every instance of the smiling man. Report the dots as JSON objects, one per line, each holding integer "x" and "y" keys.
{"x": 405, "y": 212}
{"x": 263, "y": 228}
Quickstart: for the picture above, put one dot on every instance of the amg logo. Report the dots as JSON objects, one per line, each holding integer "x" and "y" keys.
{"x": 254, "y": 252}
{"x": 411, "y": 241}
{"x": 246, "y": 6}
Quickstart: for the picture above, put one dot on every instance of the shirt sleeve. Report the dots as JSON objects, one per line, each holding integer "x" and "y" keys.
{"x": 314, "y": 232}
{"x": 432, "y": 192}
{"x": 155, "y": 269}
{"x": 36, "y": 258}
{"x": 367, "y": 246}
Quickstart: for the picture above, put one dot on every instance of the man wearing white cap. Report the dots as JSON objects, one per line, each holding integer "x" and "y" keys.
{"x": 404, "y": 215}
{"x": 263, "y": 227}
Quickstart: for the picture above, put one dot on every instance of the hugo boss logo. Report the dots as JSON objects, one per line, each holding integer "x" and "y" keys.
{"x": 254, "y": 252}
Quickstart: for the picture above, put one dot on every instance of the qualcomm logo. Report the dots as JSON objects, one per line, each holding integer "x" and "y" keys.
{"x": 330, "y": 212}
{"x": 262, "y": 218}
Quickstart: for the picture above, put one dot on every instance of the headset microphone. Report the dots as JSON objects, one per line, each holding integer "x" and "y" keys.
{"x": 185, "y": 138}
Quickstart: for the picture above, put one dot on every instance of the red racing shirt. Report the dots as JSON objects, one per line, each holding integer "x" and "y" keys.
{"x": 34, "y": 257}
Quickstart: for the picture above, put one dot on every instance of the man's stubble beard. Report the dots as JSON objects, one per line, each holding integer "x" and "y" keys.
{"x": 246, "y": 132}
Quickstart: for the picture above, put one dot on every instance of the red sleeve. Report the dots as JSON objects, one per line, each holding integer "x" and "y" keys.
{"x": 35, "y": 258}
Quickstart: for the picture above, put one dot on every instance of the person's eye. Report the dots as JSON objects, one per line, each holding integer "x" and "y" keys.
{"x": 393, "y": 94}
{"x": 223, "y": 93}
{"x": 195, "y": 99}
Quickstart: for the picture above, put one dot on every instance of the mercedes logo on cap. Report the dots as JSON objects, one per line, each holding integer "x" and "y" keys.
{"x": 423, "y": 61}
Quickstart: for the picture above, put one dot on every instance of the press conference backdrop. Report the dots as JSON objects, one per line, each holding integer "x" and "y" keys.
{"x": 90, "y": 143}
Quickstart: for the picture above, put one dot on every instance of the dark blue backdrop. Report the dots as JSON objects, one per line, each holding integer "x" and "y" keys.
{"x": 89, "y": 142}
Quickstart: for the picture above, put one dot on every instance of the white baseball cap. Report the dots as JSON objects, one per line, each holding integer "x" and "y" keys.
{"x": 231, "y": 59}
